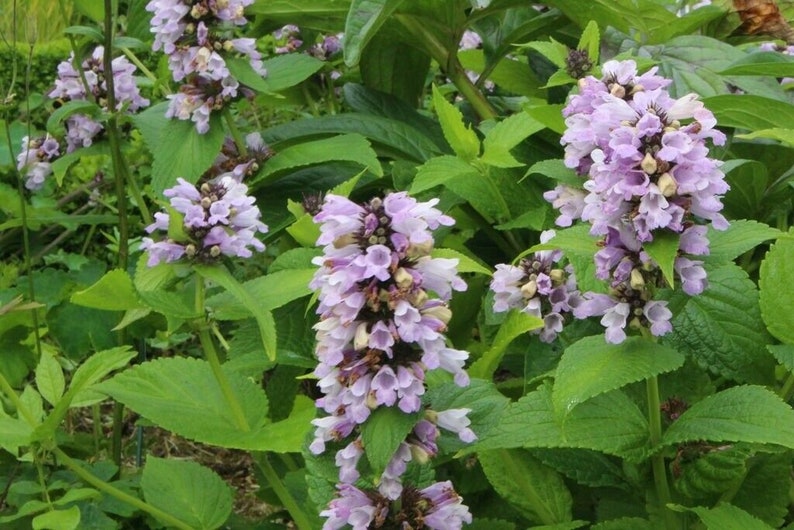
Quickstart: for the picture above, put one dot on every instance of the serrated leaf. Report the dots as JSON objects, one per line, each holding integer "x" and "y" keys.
{"x": 762, "y": 63}
{"x": 383, "y": 432}
{"x": 727, "y": 517}
{"x": 777, "y": 295}
{"x": 264, "y": 317}
{"x": 722, "y": 329}
{"x": 113, "y": 292}
{"x": 590, "y": 41}
{"x": 554, "y": 51}
{"x": 664, "y": 249}
{"x": 49, "y": 378}
{"x": 590, "y": 367}
{"x": 460, "y": 137}
{"x": 586, "y": 467}
{"x": 295, "y": 258}
{"x": 746, "y": 111}
{"x": 784, "y": 354}
{"x": 741, "y": 236}
{"x": 782, "y": 135}
{"x": 764, "y": 492}
{"x": 348, "y": 147}
{"x": 535, "y": 490}
{"x": 744, "y": 413}
{"x": 287, "y": 435}
{"x": 178, "y": 149}
{"x": 96, "y": 367}
{"x": 440, "y": 170}
{"x": 14, "y": 433}
{"x": 555, "y": 169}
{"x": 517, "y": 323}
{"x": 364, "y": 19}
{"x": 183, "y": 396}
{"x": 505, "y": 135}
{"x": 283, "y": 71}
{"x": 190, "y": 492}
{"x": 716, "y": 470}
{"x": 623, "y": 523}
{"x": 271, "y": 291}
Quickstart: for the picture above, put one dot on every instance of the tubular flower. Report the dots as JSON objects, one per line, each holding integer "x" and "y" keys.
{"x": 538, "y": 287}
{"x": 218, "y": 218}
{"x": 383, "y": 316}
{"x": 197, "y": 36}
{"x": 647, "y": 169}
{"x": 436, "y": 507}
{"x": 81, "y": 129}
{"x": 35, "y": 160}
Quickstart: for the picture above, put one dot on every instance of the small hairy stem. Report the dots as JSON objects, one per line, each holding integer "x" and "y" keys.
{"x": 286, "y": 498}
{"x": 104, "y": 487}
{"x": 215, "y": 363}
{"x": 657, "y": 460}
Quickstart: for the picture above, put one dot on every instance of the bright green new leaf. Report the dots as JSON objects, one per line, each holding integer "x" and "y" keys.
{"x": 746, "y": 413}
{"x": 554, "y": 51}
{"x": 49, "y": 378}
{"x": 347, "y": 147}
{"x": 382, "y": 434}
{"x": 113, "y": 292}
{"x": 440, "y": 170}
{"x": 182, "y": 395}
{"x": 741, "y": 236}
{"x": 187, "y": 490}
{"x": 517, "y": 323}
{"x": 68, "y": 519}
{"x": 14, "y": 433}
{"x": 304, "y": 230}
{"x": 537, "y": 491}
{"x": 283, "y": 71}
{"x": 505, "y": 135}
{"x": 465, "y": 263}
{"x": 784, "y": 354}
{"x": 726, "y": 517}
{"x": 460, "y": 137}
{"x": 664, "y": 249}
{"x": 777, "y": 290}
{"x": 785, "y": 136}
{"x": 264, "y": 317}
{"x": 286, "y": 436}
{"x": 270, "y": 291}
{"x": 591, "y": 366}
{"x": 590, "y": 41}
{"x": 364, "y": 20}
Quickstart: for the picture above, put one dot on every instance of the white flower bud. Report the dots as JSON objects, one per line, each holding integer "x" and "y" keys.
{"x": 667, "y": 185}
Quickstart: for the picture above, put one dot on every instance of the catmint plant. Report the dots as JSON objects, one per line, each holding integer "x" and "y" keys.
{"x": 383, "y": 316}
{"x": 648, "y": 172}
{"x": 197, "y": 36}
{"x": 218, "y": 219}
{"x": 90, "y": 84}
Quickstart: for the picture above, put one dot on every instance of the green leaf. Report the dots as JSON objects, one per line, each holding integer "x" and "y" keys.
{"x": 465, "y": 263}
{"x": 182, "y": 395}
{"x": 287, "y": 435}
{"x": 395, "y": 67}
{"x": 554, "y": 51}
{"x": 744, "y": 413}
{"x": 555, "y": 169}
{"x": 323, "y": 15}
{"x": 178, "y": 149}
{"x": 762, "y": 63}
{"x": 113, "y": 292}
{"x": 382, "y": 434}
{"x": 710, "y": 469}
{"x": 93, "y": 10}
{"x": 283, "y": 71}
{"x": 777, "y": 294}
{"x": 172, "y": 304}
{"x": 785, "y": 136}
{"x": 746, "y": 111}
{"x": 55, "y": 123}
{"x": 590, "y": 41}
{"x": 304, "y": 230}
{"x": 190, "y": 492}
{"x": 742, "y": 235}
{"x": 93, "y": 370}
{"x": 610, "y": 423}
{"x": 349, "y": 147}
{"x": 516, "y": 324}
{"x": 722, "y": 329}
{"x": 505, "y": 135}
{"x": 591, "y": 366}
{"x": 296, "y": 258}
{"x": 663, "y": 250}
{"x": 784, "y": 354}
{"x": 264, "y": 317}
{"x": 439, "y": 171}
{"x": 364, "y": 20}
{"x": 461, "y": 138}
{"x": 764, "y": 492}
{"x": 726, "y": 517}
{"x": 14, "y": 433}
{"x": 270, "y": 291}
{"x": 68, "y": 519}
{"x": 535, "y": 490}
{"x": 49, "y": 378}
{"x": 586, "y": 467}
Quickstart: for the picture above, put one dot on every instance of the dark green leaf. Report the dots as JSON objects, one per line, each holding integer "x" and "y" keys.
{"x": 283, "y": 71}
{"x": 516, "y": 324}
{"x": 364, "y": 20}
{"x": 741, "y": 236}
{"x": 382, "y": 434}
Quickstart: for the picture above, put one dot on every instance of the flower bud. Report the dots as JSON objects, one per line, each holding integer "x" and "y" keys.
{"x": 667, "y": 185}
{"x": 419, "y": 455}
{"x": 190, "y": 250}
{"x": 417, "y": 250}
{"x": 440, "y": 312}
{"x": 215, "y": 251}
{"x": 557, "y": 275}
{"x": 637, "y": 281}
{"x": 648, "y": 164}
{"x": 529, "y": 289}
{"x": 344, "y": 240}
{"x": 403, "y": 278}
{"x": 617, "y": 90}
{"x": 361, "y": 339}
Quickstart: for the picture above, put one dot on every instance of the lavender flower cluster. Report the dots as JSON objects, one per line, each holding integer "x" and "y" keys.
{"x": 35, "y": 160}
{"x": 72, "y": 85}
{"x": 645, "y": 158}
{"x": 195, "y": 34}
{"x": 219, "y": 219}
{"x": 383, "y": 314}
{"x": 539, "y": 287}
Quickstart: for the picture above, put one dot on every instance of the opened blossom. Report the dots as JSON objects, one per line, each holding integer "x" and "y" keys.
{"x": 35, "y": 160}
{"x": 383, "y": 313}
{"x": 218, "y": 219}
{"x": 647, "y": 170}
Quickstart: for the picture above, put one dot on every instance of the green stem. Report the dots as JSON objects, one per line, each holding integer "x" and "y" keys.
{"x": 788, "y": 388}
{"x": 12, "y": 395}
{"x": 236, "y": 135}
{"x": 301, "y": 520}
{"x": 469, "y": 91}
{"x": 142, "y": 67}
{"x": 657, "y": 460}
{"x": 215, "y": 363}
{"x": 104, "y": 487}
